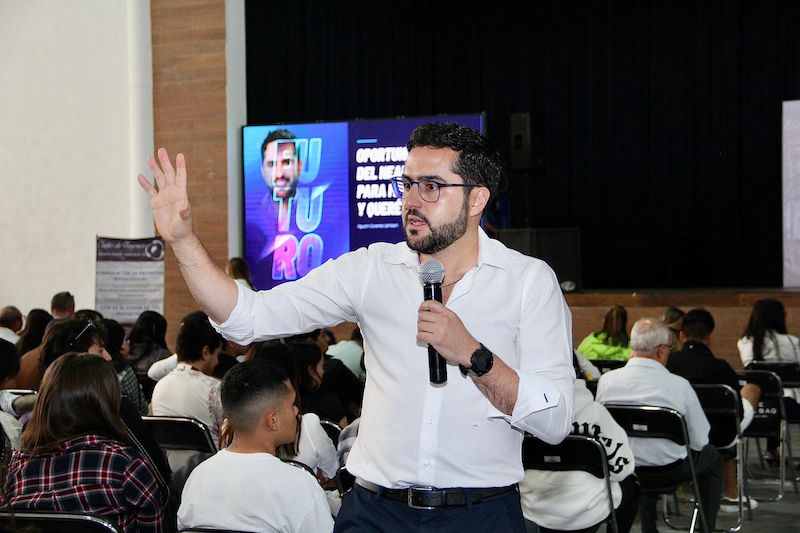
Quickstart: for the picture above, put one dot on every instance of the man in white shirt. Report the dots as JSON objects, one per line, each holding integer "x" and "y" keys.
{"x": 644, "y": 380}
{"x": 10, "y": 323}
{"x": 190, "y": 390}
{"x": 503, "y": 321}
{"x": 245, "y": 487}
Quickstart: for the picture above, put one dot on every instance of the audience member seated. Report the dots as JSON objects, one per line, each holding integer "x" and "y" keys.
{"x": 131, "y": 389}
{"x": 309, "y": 365}
{"x": 351, "y": 353}
{"x": 237, "y": 268}
{"x": 161, "y": 368}
{"x": 10, "y": 324}
{"x": 146, "y": 343}
{"x": 62, "y": 306}
{"x": 312, "y": 447}
{"x": 577, "y": 501}
{"x": 611, "y": 342}
{"x": 765, "y": 338}
{"x": 190, "y": 390}
{"x": 673, "y": 318}
{"x": 76, "y": 454}
{"x": 33, "y": 332}
{"x": 697, "y": 363}
{"x": 9, "y": 366}
{"x": 346, "y": 440}
{"x": 587, "y": 369}
{"x": 644, "y": 380}
{"x": 245, "y": 486}
{"x": 228, "y": 358}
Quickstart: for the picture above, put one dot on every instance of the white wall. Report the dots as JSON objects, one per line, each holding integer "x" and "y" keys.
{"x": 75, "y": 126}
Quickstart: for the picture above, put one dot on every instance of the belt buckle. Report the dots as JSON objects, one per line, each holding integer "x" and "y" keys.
{"x": 419, "y": 489}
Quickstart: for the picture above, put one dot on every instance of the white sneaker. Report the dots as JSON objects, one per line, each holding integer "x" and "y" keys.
{"x": 731, "y": 505}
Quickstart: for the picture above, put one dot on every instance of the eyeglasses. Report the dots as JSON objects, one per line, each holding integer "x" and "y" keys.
{"x": 89, "y": 326}
{"x": 429, "y": 189}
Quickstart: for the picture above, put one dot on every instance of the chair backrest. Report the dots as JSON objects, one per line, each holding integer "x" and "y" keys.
{"x": 56, "y": 522}
{"x": 787, "y": 371}
{"x": 180, "y": 433}
{"x": 576, "y": 452}
{"x": 649, "y": 421}
{"x": 604, "y": 365}
{"x": 332, "y": 429}
{"x": 769, "y": 414}
{"x": 344, "y": 480}
{"x": 301, "y": 466}
{"x": 723, "y": 409}
{"x": 591, "y": 384}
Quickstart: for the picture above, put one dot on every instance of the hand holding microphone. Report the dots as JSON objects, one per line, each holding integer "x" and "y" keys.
{"x": 431, "y": 274}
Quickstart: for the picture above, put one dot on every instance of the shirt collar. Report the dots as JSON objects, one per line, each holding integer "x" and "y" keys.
{"x": 490, "y": 252}
{"x": 697, "y": 347}
{"x": 646, "y": 363}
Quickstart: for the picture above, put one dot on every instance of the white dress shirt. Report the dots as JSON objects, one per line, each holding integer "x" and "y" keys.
{"x": 411, "y": 432}
{"x": 8, "y": 335}
{"x": 777, "y": 347}
{"x": 645, "y": 381}
{"x": 316, "y": 449}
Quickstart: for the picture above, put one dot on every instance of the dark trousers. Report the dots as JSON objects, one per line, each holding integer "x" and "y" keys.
{"x": 365, "y": 511}
{"x": 625, "y": 511}
{"x": 708, "y": 467}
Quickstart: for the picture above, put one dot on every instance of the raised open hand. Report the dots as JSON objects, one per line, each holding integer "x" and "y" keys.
{"x": 170, "y": 203}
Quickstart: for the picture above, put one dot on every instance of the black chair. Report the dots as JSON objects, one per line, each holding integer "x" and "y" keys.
{"x": 788, "y": 372}
{"x": 576, "y": 452}
{"x": 209, "y": 530}
{"x": 344, "y": 481}
{"x": 301, "y": 466}
{"x": 148, "y": 384}
{"x": 769, "y": 421}
{"x": 591, "y": 384}
{"x": 332, "y": 429}
{"x": 651, "y": 422}
{"x": 723, "y": 409}
{"x": 56, "y": 522}
{"x": 604, "y": 365}
{"x": 180, "y": 437}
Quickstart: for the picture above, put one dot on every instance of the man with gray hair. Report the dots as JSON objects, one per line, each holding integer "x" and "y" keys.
{"x": 644, "y": 380}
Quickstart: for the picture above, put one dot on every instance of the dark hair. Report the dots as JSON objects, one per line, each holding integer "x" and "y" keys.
{"x": 79, "y": 395}
{"x": 62, "y": 301}
{"x": 250, "y": 388}
{"x": 478, "y": 160}
{"x": 615, "y": 325}
{"x": 148, "y": 333}
{"x": 115, "y": 336}
{"x": 275, "y": 135}
{"x": 8, "y": 315}
{"x": 9, "y": 361}
{"x": 88, "y": 314}
{"x": 237, "y": 269}
{"x": 698, "y": 324}
{"x": 194, "y": 315}
{"x": 295, "y": 356}
{"x": 671, "y": 314}
{"x": 356, "y": 335}
{"x": 195, "y": 335}
{"x": 64, "y": 336}
{"x": 31, "y": 335}
{"x": 768, "y": 315}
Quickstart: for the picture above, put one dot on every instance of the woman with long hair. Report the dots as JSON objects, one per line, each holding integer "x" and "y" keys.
{"x": 611, "y": 342}
{"x": 75, "y": 452}
{"x": 237, "y": 268}
{"x": 131, "y": 389}
{"x": 147, "y": 343}
{"x": 33, "y": 332}
{"x": 765, "y": 338}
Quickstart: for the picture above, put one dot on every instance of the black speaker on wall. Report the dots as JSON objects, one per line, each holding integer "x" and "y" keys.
{"x": 558, "y": 247}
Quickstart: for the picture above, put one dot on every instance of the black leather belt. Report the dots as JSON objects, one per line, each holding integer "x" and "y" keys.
{"x": 434, "y": 498}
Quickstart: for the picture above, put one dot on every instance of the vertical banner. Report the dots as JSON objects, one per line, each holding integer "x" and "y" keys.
{"x": 129, "y": 277}
{"x": 791, "y": 193}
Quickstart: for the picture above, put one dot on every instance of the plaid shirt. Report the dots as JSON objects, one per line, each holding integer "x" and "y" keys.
{"x": 91, "y": 474}
{"x": 132, "y": 389}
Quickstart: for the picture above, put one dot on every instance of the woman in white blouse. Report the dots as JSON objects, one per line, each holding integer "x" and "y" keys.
{"x": 765, "y": 339}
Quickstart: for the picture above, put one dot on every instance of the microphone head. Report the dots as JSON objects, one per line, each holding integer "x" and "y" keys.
{"x": 431, "y": 271}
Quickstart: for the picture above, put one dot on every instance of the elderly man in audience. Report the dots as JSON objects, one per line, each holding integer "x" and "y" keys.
{"x": 644, "y": 380}
{"x": 62, "y": 306}
{"x": 190, "y": 390}
{"x": 10, "y": 323}
{"x": 245, "y": 486}
{"x": 695, "y": 362}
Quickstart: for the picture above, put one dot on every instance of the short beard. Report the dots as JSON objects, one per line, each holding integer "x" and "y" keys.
{"x": 440, "y": 237}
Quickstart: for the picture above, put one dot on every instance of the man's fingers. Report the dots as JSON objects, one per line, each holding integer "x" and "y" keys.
{"x": 432, "y": 306}
{"x": 166, "y": 165}
{"x": 145, "y": 184}
{"x": 180, "y": 177}
{"x": 158, "y": 176}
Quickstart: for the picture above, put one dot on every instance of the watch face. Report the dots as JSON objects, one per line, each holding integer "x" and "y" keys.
{"x": 481, "y": 361}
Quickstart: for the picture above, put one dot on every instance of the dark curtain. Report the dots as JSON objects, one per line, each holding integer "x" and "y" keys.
{"x": 656, "y": 124}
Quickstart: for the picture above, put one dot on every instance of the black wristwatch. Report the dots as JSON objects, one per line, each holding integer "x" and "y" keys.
{"x": 480, "y": 363}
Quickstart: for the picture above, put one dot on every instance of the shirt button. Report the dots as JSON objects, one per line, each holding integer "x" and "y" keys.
{"x": 430, "y": 421}
{"x": 427, "y": 464}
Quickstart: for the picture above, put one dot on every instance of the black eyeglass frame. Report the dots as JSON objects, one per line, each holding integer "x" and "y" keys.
{"x": 398, "y": 184}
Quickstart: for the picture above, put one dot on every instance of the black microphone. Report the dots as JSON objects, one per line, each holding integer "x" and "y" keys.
{"x": 431, "y": 274}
